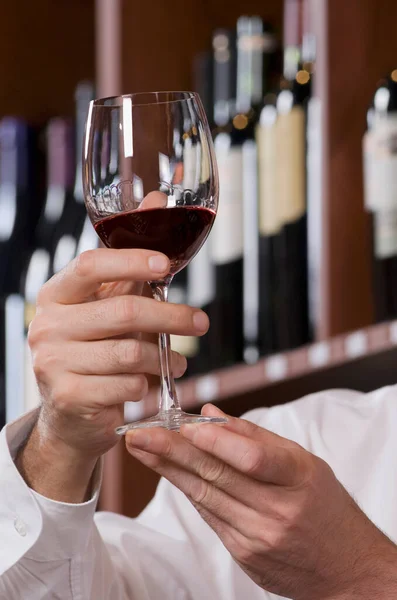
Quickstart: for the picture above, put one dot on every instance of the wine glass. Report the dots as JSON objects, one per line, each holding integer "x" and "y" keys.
{"x": 150, "y": 181}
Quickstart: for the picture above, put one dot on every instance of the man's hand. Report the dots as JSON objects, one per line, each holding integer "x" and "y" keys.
{"x": 89, "y": 359}
{"x": 278, "y": 509}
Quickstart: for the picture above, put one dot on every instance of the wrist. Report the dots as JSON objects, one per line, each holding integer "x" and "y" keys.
{"x": 53, "y": 469}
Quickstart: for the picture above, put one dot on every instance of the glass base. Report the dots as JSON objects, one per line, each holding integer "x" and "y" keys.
{"x": 172, "y": 419}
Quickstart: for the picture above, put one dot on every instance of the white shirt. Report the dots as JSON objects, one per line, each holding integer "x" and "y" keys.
{"x": 51, "y": 550}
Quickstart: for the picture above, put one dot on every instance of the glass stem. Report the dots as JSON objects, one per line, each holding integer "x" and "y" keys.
{"x": 169, "y": 399}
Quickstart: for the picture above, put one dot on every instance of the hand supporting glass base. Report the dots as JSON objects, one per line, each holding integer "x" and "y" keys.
{"x": 172, "y": 420}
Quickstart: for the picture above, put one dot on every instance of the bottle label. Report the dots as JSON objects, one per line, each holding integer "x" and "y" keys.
{"x": 37, "y": 274}
{"x": 88, "y": 239}
{"x": 291, "y": 166}
{"x": 385, "y": 234}
{"x": 380, "y": 166}
{"x": 55, "y": 203}
{"x": 185, "y": 345}
{"x": 8, "y": 210}
{"x": 64, "y": 252}
{"x": 269, "y": 216}
{"x": 226, "y": 237}
{"x": 191, "y": 165}
{"x": 201, "y": 279}
{"x": 314, "y": 209}
{"x": 251, "y": 239}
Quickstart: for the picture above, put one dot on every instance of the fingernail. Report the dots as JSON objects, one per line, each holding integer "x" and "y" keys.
{"x": 190, "y": 431}
{"x": 200, "y": 321}
{"x": 214, "y": 409}
{"x": 180, "y": 368}
{"x": 158, "y": 263}
{"x": 138, "y": 438}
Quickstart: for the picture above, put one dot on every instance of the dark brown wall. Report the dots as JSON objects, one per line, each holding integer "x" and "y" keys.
{"x": 163, "y": 60}
{"x": 46, "y": 47}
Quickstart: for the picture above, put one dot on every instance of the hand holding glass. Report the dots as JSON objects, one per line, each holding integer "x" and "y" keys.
{"x": 150, "y": 181}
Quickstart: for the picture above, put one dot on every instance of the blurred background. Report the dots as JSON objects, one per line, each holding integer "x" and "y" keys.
{"x": 299, "y": 275}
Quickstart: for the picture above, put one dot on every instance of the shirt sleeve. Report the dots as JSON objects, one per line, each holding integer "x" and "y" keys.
{"x": 51, "y": 549}
{"x": 48, "y": 547}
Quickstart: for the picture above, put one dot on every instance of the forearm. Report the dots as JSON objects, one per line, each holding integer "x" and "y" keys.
{"x": 53, "y": 469}
{"x": 378, "y": 580}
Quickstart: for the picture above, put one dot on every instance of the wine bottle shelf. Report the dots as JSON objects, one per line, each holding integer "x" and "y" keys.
{"x": 243, "y": 379}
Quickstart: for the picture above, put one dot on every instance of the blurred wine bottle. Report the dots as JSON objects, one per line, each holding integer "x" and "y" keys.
{"x": 255, "y": 57}
{"x": 227, "y": 233}
{"x": 75, "y": 232}
{"x": 314, "y": 166}
{"x": 60, "y": 166}
{"x": 380, "y": 189}
{"x": 201, "y": 270}
{"x": 291, "y": 244}
{"x": 187, "y": 345}
{"x": 271, "y": 302}
{"x": 248, "y": 98}
{"x": 203, "y": 82}
{"x": 20, "y": 205}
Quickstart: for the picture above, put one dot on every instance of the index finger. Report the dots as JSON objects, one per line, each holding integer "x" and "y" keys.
{"x": 86, "y": 273}
{"x": 266, "y": 462}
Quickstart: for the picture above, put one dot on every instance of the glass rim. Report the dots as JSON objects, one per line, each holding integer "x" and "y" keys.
{"x": 145, "y": 99}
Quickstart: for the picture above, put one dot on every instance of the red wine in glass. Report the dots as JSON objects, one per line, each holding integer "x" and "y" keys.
{"x": 177, "y": 232}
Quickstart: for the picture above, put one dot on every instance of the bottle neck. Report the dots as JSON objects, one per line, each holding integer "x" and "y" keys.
{"x": 60, "y": 162}
{"x": 249, "y": 71}
{"x": 309, "y": 41}
{"x": 309, "y": 51}
{"x": 224, "y": 76}
{"x": 292, "y": 62}
{"x": 84, "y": 95}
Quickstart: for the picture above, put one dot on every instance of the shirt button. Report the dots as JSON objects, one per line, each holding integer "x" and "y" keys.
{"x": 20, "y": 526}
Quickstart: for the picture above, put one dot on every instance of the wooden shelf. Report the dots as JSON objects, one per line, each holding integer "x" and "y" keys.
{"x": 342, "y": 350}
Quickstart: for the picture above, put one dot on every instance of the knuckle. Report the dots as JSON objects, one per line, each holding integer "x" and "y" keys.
{"x": 43, "y": 361}
{"x": 124, "y": 354}
{"x": 251, "y": 460}
{"x": 43, "y": 292}
{"x": 310, "y": 468}
{"x": 200, "y": 491}
{"x": 273, "y": 540}
{"x": 85, "y": 263}
{"x": 290, "y": 516}
{"x": 132, "y": 353}
{"x": 111, "y": 352}
{"x": 243, "y": 551}
{"x": 38, "y": 331}
{"x": 126, "y": 309}
{"x": 133, "y": 259}
{"x": 139, "y": 386}
{"x": 167, "y": 449}
{"x": 179, "y": 317}
{"x": 65, "y": 390}
{"x": 211, "y": 470}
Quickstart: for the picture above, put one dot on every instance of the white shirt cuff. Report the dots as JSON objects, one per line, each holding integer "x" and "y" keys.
{"x": 30, "y": 524}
